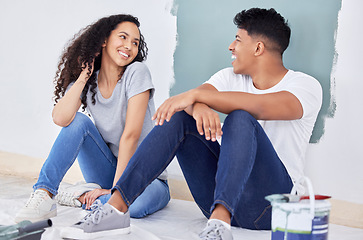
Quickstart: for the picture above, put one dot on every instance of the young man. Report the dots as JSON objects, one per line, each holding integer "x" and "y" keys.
{"x": 271, "y": 113}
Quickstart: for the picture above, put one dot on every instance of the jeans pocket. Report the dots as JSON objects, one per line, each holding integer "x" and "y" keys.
{"x": 263, "y": 222}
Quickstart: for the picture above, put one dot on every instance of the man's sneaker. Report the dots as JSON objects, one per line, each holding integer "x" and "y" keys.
{"x": 68, "y": 194}
{"x": 215, "y": 230}
{"x": 104, "y": 220}
{"x": 39, "y": 207}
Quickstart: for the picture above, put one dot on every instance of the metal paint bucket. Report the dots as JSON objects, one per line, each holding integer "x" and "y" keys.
{"x": 302, "y": 220}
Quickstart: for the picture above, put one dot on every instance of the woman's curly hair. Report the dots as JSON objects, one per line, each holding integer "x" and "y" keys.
{"x": 85, "y": 47}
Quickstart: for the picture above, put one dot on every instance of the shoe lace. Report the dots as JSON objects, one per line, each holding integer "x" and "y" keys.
{"x": 36, "y": 198}
{"x": 212, "y": 232}
{"x": 97, "y": 212}
{"x": 66, "y": 198}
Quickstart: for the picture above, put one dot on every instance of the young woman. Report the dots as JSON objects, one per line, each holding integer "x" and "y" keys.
{"x": 102, "y": 71}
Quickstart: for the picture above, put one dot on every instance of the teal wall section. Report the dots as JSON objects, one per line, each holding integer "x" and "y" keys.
{"x": 205, "y": 30}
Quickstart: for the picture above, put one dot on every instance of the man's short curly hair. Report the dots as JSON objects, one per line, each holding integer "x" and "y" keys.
{"x": 266, "y": 23}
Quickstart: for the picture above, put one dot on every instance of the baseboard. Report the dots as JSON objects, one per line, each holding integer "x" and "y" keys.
{"x": 346, "y": 213}
{"x": 179, "y": 188}
{"x": 29, "y": 167}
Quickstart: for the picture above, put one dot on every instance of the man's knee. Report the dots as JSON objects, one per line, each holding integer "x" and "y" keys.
{"x": 180, "y": 116}
{"x": 179, "y": 119}
{"x": 239, "y": 117}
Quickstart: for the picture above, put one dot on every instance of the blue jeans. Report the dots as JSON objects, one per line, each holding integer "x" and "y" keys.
{"x": 82, "y": 140}
{"x": 238, "y": 174}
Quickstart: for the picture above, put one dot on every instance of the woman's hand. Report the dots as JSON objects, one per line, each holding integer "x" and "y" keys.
{"x": 172, "y": 105}
{"x": 91, "y": 196}
{"x": 87, "y": 71}
{"x": 208, "y": 121}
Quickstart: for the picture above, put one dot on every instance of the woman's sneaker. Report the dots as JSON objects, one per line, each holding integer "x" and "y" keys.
{"x": 39, "y": 207}
{"x": 101, "y": 222}
{"x": 215, "y": 230}
{"x": 68, "y": 194}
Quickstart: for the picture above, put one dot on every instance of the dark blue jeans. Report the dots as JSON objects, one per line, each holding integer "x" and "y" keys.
{"x": 238, "y": 174}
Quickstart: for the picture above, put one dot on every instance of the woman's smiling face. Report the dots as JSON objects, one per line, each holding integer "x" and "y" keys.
{"x": 122, "y": 46}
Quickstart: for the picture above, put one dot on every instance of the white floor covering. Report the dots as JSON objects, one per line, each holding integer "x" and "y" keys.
{"x": 179, "y": 220}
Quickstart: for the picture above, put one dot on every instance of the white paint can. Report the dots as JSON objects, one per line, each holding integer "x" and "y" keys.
{"x": 302, "y": 220}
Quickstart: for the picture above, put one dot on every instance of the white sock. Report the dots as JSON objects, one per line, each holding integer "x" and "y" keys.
{"x": 228, "y": 226}
{"x": 117, "y": 211}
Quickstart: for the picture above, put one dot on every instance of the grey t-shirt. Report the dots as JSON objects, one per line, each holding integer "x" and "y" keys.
{"x": 109, "y": 115}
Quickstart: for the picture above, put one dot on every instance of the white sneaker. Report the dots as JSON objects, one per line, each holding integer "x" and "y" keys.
{"x": 39, "y": 207}
{"x": 68, "y": 194}
{"x": 215, "y": 230}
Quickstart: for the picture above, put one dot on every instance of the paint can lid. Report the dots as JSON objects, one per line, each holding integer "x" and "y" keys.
{"x": 320, "y": 206}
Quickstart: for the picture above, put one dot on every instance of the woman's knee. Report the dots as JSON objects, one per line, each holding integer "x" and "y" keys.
{"x": 79, "y": 121}
{"x": 138, "y": 210}
{"x": 155, "y": 197}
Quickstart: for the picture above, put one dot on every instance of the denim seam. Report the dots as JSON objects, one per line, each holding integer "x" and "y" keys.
{"x": 122, "y": 194}
{"x": 225, "y": 205}
{"x": 203, "y": 210}
{"x": 47, "y": 188}
{"x": 238, "y": 223}
{"x": 261, "y": 215}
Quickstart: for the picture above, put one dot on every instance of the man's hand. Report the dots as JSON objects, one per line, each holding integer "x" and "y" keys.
{"x": 172, "y": 105}
{"x": 208, "y": 122}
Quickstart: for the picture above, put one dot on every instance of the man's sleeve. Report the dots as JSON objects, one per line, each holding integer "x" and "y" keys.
{"x": 221, "y": 80}
{"x": 309, "y": 92}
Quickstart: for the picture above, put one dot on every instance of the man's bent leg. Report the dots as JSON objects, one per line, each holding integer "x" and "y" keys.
{"x": 154, "y": 154}
{"x": 248, "y": 170}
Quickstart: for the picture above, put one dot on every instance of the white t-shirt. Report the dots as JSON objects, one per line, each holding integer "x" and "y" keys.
{"x": 289, "y": 138}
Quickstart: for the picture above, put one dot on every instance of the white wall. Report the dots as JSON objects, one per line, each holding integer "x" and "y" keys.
{"x": 34, "y": 32}
{"x": 335, "y": 164}
{"x": 32, "y": 36}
